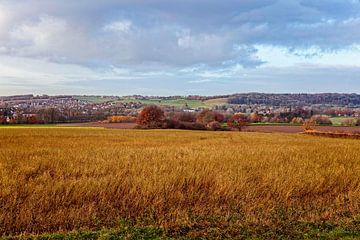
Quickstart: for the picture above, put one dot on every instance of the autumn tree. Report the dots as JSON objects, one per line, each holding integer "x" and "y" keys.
{"x": 238, "y": 121}
{"x": 254, "y": 117}
{"x": 297, "y": 120}
{"x": 206, "y": 116}
{"x": 321, "y": 120}
{"x": 50, "y": 115}
{"x": 151, "y": 116}
{"x": 2, "y": 120}
{"x": 185, "y": 117}
{"x": 32, "y": 120}
{"x": 214, "y": 126}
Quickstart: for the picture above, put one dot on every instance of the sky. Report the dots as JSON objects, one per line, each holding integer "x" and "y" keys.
{"x": 179, "y": 47}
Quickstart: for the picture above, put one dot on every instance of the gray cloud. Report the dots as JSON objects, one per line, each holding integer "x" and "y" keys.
{"x": 178, "y": 33}
{"x": 203, "y": 45}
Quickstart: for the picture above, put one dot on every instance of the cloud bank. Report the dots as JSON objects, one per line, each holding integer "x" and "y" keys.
{"x": 159, "y": 42}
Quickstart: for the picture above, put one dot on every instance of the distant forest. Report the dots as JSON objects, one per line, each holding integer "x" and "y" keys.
{"x": 337, "y": 99}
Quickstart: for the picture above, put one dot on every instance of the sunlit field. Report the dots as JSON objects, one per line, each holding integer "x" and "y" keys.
{"x": 177, "y": 183}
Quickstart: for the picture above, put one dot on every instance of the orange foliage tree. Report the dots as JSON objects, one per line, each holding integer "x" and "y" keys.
{"x": 254, "y": 117}
{"x": 151, "y": 116}
{"x": 238, "y": 121}
{"x": 206, "y": 116}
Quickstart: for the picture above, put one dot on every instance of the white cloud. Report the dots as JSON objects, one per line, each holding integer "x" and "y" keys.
{"x": 52, "y": 38}
{"x": 160, "y": 41}
{"x": 122, "y": 26}
{"x": 282, "y": 57}
{"x": 40, "y": 36}
{"x": 4, "y": 20}
{"x": 201, "y": 81}
{"x": 40, "y": 74}
{"x": 3, "y": 16}
{"x": 201, "y": 42}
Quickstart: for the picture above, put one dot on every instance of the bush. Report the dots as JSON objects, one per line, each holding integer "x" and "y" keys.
{"x": 238, "y": 121}
{"x": 349, "y": 122}
{"x": 184, "y": 117}
{"x": 206, "y": 116}
{"x": 214, "y": 126}
{"x": 193, "y": 126}
{"x": 297, "y": 120}
{"x": 151, "y": 116}
{"x": 277, "y": 119}
{"x": 309, "y": 125}
{"x": 2, "y": 120}
{"x": 174, "y": 124}
{"x": 321, "y": 120}
{"x": 32, "y": 120}
{"x": 121, "y": 119}
{"x": 357, "y": 122}
{"x": 254, "y": 117}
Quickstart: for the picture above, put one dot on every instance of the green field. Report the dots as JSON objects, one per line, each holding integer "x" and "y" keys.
{"x": 336, "y": 121}
{"x": 274, "y": 124}
{"x": 181, "y": 102}
{"x": 95, "y": 99}
{"x": 171, "y": 102}
{"x": 216, "y": 102}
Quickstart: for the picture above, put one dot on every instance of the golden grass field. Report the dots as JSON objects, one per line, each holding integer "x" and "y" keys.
{"x": 186, "y": 182}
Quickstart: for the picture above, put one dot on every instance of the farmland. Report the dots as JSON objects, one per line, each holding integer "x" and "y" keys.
{"x": 337, "y": 121}
{"x": 170, "y": 102}
{"x": 176, "y": 102}
{"x": 96, "y": 99}
{"x": 167, "y": 183}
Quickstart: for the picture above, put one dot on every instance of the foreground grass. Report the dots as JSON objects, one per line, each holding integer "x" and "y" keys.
{"x": 27, "y": 125}
{"x": 177, "y": 184}
{"x": 303, "y": 231}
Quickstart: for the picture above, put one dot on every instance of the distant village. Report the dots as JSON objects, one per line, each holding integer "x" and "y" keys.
{"x": 273, "y": 108}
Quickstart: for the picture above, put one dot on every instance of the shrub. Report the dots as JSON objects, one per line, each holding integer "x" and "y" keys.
{"x": 151, "y": 116}
{"x": 321, "y": 120}
{"x": 297, "y": 120}
{"x": 219, "y": 117}
{"x": 32, "y": 120}
{"x": 309, "y": 125}
{"x": 254, "y": 117}
{"x": 193, "y": 126}
{"x": 170, "y": 123}
{"x": 238, "y": 121}
{"x": 174, "y": 124}
{"x": 184, "y": 117}
{"x": 214, "y": 126}
{"x": 277, "y": 119}
{"x": 357, "y": 122}
{"x": 265, "y": 119}
{"x": 2, "y": 120}
{"x": 122, "y": 119}
{"x": 206, "y": 116}
{"x": 349, "y": 122}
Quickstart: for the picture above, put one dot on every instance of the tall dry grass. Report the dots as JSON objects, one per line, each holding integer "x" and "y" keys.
{"x": 62, "y": 179}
